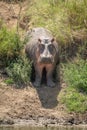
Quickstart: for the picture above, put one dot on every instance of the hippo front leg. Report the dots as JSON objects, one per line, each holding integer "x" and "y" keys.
{"x": 50, "y": 82}
{"x": 38, "y": 76}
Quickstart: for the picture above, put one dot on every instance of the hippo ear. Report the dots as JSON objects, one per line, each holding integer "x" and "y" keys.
{"x": 52, "y": 40}
{"x": 39, "y": 39}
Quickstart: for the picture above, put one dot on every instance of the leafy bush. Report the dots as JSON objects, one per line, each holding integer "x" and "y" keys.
{"x": 74, "y": 100}
{"x": 20, "y": 71}
{"x": 74, "y": 96}
{"x": 75, "y": 75}
{"x": 10, "y": 46}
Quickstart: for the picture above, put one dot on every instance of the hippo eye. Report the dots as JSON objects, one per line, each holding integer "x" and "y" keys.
{"x": 51, "y": 48}
{"x": 41, "y": 48}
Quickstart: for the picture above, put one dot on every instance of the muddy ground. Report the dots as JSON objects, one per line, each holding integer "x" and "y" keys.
{"x": 35, "y": 106}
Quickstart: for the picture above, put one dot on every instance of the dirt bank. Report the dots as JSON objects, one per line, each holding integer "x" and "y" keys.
{"x": 35, "y": 106}
{"x": 12, "y": 14}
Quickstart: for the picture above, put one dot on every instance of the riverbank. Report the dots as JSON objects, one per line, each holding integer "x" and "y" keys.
{"x": 35, "y": 106}
{"x": 43, "y": 121}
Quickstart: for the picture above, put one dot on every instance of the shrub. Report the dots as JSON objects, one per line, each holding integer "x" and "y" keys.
{"x": 20, "y": 71}
{"x": 74, "y": 100}
{"x": 10, "y": 46}
{"x": 75, "y": 75}
{"x": 74, "y": 96}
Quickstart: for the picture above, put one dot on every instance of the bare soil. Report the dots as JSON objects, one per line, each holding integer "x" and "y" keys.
{"x": 13, "y": 14}
{"x": 35, "y": 106}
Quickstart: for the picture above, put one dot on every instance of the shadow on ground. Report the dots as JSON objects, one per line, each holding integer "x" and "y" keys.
{"x": 47, "y": 95}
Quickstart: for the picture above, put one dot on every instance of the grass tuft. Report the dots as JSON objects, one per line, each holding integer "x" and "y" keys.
{"x": 10, "y": 46}
{"x": 75, "y": 75}
{"x": 20, "y": 71}
{"x": 73, "y": 100}
{"x": 75, "y": 94}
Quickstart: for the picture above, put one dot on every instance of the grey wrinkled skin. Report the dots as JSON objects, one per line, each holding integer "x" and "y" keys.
{"x": 43, "y": 50}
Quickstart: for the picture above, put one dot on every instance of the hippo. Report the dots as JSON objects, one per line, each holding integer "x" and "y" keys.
{"x": 42, "y": 49}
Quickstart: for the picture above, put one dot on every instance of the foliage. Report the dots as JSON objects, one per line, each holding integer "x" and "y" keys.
{"x": 77, "y": 15}
{"x": 20, "y": 71}
{"x": 46, "y": 15}
{"x": 75, "y": 74}
{"x": 10, "y": 45}
{"x": 9, "y": 81}
{"x": 75, "y": 94}
{"x": 74, "y": 100}
{"x": 65, "y": 18}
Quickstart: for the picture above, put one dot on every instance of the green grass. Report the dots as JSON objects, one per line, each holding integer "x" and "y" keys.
{"x": 75, "y": 77}
{"x": 74, "y": 100}
{"x": 10, "y": 46}
{"x": 12, "y": 58}
{"x": 77, "y": 15}
{"x": 49, "y": 16}
{"x": 66, "y": 19}
{"x": 19, "y": 72}
{"x": 75, "y": 74}
{"x": 9, "y": 81}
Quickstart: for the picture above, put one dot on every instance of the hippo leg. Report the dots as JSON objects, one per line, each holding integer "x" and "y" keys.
{"x": 38, "y": 76}
{"x": 50, "y": 82}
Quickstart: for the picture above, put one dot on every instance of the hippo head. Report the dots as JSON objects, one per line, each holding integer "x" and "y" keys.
{"x": 46, "y": 50}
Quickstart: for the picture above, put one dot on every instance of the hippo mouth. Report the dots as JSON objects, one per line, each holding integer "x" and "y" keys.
{"x": 46, "y": 61}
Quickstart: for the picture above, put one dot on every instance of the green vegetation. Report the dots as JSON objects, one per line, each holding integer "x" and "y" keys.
{"x": 10, "y": 46}
{"x": 9, "y": 81}
{"x": 65, "y": 18}
{"x": 17, "y": 66}
{"x": 75, "y": 76}
{"x": 19, "y": 72}
{"x": 73, "y": 100}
